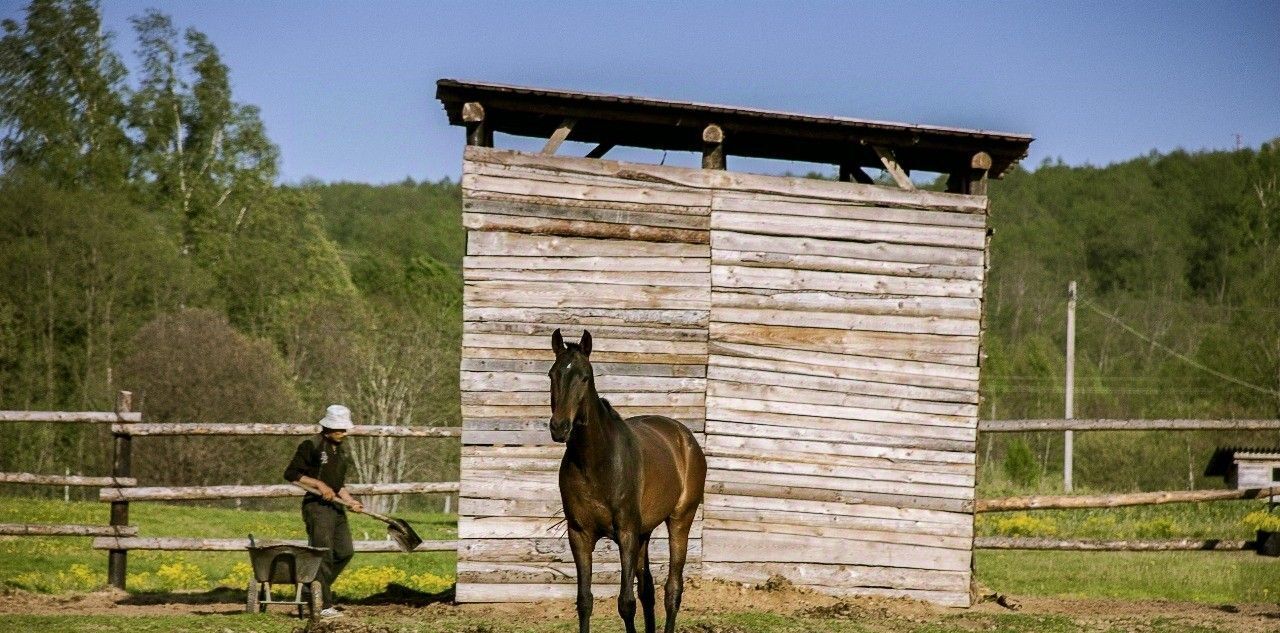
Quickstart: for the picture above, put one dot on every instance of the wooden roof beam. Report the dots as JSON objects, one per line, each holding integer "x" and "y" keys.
{"x": 891, "y": 165}
{"x": 557, "y": 137}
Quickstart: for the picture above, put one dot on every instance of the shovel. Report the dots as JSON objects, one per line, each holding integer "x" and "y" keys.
{"x": 398, "y": 529}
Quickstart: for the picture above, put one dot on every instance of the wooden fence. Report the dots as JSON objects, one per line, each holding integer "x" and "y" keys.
{"x": 119, "y": 488}
{"x": 1047, "y": 502}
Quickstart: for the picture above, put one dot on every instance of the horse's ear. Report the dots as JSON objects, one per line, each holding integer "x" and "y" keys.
{"x": 585, "y": 344}
{"x": 557, "y": 342}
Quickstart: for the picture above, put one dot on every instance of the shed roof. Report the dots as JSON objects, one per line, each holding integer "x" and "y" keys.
{"x": 677, "y": 125}
{"x": 1224, "y": 457}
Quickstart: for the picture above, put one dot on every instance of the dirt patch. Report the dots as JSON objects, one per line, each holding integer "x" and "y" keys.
{"x": 702, "y": 598}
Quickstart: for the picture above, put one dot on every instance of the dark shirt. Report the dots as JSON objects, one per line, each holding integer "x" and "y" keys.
{"x": 321, "y": 460}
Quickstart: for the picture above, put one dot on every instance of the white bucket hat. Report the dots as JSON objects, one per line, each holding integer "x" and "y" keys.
{"x": 337, "y": 417}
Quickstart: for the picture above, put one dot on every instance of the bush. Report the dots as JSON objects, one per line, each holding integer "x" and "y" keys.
{"x": 1020, "y": 464}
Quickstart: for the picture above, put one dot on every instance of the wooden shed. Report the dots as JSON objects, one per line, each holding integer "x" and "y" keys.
{"x": 823, "y": 338}
{"x": 1243, "y": 468}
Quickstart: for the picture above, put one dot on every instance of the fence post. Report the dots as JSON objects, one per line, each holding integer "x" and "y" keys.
{"x": 121, "y": 466}
{"x": 1068, "y": 444}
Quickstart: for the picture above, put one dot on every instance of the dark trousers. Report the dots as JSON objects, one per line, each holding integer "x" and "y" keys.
{"x": 327, "y": 527}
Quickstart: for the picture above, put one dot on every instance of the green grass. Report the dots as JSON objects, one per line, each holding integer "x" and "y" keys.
{"x": 56, "y": 564}
{"x": 1222, "y": 520}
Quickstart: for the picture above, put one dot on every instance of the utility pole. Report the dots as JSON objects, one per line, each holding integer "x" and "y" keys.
{"x": 1069, "y": 440}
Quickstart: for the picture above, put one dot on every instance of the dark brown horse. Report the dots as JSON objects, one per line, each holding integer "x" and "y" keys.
{"x": 620, "y": 479}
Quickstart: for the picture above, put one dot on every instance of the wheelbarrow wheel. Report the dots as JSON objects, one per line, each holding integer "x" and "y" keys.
{"x": 317, "y": 600}
{"x": 254, "y": 603}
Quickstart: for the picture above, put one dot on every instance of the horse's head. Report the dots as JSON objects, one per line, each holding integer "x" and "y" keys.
{"x": 571, "y": 383}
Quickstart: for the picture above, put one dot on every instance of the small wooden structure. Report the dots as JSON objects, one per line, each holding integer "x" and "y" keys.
{"x": 1243, "y": 468}
{"x": 822, "y": 338}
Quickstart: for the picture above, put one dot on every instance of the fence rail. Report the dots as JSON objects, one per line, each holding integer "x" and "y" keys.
{"x": 82, "y": 417}
{"x": 198, "y": 428}
{"x": 187, "y": 493}
{"x": 1049, "y": 502}
{"x": 240, "y": 544}
{"x": 65, "y": 480}
{"x": 1008, "y": 542}
{"x": 1102, "y": 424}
{"x": 34, "y": 529}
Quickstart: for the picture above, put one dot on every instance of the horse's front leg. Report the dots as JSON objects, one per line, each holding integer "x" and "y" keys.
{"x": 647, "y": 596}
{"x": 629, "y": 554}
{"x": 582, "y": 543}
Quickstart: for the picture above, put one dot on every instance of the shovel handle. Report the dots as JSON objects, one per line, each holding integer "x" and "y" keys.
{"x": 342, "y": 502}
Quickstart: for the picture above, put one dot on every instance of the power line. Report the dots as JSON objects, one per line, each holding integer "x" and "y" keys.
{"x": 1176, "y": 354}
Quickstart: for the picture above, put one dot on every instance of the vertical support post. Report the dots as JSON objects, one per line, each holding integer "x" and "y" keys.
{"x": 479, "y": 132}
{"x": 66, "y": 490}
{"x": 121, "y": 466}
{"x": 1068, "y": 461}
{"x": 713, "y": 147}
{"x": 979, "y": 166}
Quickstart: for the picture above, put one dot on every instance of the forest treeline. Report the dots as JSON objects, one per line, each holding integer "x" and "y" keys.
{"x": 145, "y": 244}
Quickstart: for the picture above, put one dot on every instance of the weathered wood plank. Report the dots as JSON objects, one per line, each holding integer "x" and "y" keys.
{"x": 524, "y": 185}
{"x": 834, "y": 532}
{"x": 507, "y": 353}
{"x": 534, "y": 528}
{"x": 736, "y": 181}
{"x": 592, "y": 213}
{"x": 620, "y": 399}
{"x": 606, "y": 186}
{"x": 557, "y": 550}
{"x": 879, "y": 456}
{"x": 579, "y": 228}
{"x": 752, "y": 497}
{"x": 853, "y": 230}
{"x": 760, "y": 547}
{"x": 34, "y": 529}
{"x": 899, "y": 497}
{"x": 509, "y": 572}
{"x": 499, "y": 243}
{"x": 603, "y": 264}
{"x": 851, "y": 388}
{"x": 651, "y": 333}
{"x": 846, "y": 303}
{"x": 854, "y": 580}
{"x": 65, "y": 480}
{"x": 859, "y": 481}
{"x": 599, "y": 343}
{"x": 847, "y": 321}
{"x": 627, "y": 278}
{"x": 510, "y": 294}
{"x": 503, "y": 411}
{"x": 750, "y": 424}
{"x": 841, "y": 468}
{"x": 606, "y": 384}
{"x": 811, "y": 280}
{"x": 601, "y": 369}
{"x": 592, "y": 317}
{"x": 822, "y": 360}
{"x": 840, "y": 575}
{"x": 875, "y": 528}
{"x": 722, "y": 395}
{"x": 840, "y": 264}
{"x": 811, "y": 246}
{"x": 851, "y": 406}
{"x": 526, "y": 592}
{"x": 786, "y": 205}
{"x": 871, "y": 382}
{"x": 949, "y": 350}
{"x": 538, "y": 424}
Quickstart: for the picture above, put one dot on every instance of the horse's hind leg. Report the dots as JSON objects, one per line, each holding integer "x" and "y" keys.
{"x": 646, "y": 589}
{"x": 678, "y": 533}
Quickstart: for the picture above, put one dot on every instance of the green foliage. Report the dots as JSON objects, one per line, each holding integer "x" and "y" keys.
{"x": 1020, "y": 464}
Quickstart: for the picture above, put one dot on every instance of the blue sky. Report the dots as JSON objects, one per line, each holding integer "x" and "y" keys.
{"x": 347, "y": 89}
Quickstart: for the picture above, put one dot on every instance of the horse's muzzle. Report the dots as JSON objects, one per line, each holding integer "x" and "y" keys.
{"x": 560, "y": 429}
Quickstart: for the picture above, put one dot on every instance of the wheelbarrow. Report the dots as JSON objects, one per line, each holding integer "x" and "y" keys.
{"x": 280, "y": 563}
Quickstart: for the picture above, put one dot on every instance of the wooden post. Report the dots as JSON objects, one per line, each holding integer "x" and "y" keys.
{"x": 121, "y": 466}
{"x": 979, "y": 166}
{"x": 562, "y": 132}
{"x": 478, "y": 130}
{"x": 66, "y": 490}
{"x": 713, "y": 147}
{"x": 851, "y": 172}
{"x": 1068, "y": 443}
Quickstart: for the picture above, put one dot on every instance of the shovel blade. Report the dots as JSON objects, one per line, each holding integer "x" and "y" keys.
{"x": 402, "y": 533}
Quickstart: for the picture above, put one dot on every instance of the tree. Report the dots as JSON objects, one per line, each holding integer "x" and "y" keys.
{"x": 60, "y": 97}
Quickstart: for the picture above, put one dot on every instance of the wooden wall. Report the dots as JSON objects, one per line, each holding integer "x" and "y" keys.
{"x": 842, "y": 390}
{"x": 546, "y": 249}
{"x": 827, "y": 333}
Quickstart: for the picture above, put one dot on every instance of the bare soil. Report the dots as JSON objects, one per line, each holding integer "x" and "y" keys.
{"x": 702, "y": 598}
